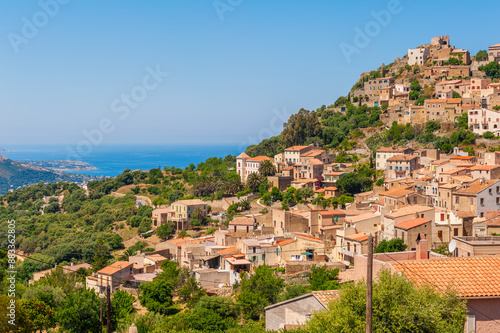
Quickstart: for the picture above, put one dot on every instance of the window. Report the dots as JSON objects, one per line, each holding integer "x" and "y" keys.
{"x": 490, "y": 191}
{"x": 348, "y": 246}
{"x": 481, "y": 201}
{"x": 440, "y": 233}
{"x": 457, "y": 200}
{"x": 254, "y": 250}
{"x": 498, "y": 200}
{"x": 442, "y": 217}
{"x": 263, "y": 257}
{"x": 354, "y": 247}
{"x": 455, "y": 232}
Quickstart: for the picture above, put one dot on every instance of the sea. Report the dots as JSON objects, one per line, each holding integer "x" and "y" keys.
{"x": 111, "y": 160}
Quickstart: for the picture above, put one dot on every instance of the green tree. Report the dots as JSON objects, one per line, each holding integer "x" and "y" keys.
{"x": 267, "y": 168}
{"x": 463, "y": 121}
{"x": 292, "y": 291}
{"x": 482, "y": 55}
{"x": 415, "y": 86}
{"x": 398, "y": 306}
{"x": 261, "y": 289}
{"x": 199, "y": 213}
{"x": 156, "y": 295}
{"x": 394, "y": 245}
{"x": 354, "y": 183}
{"x": 322, "y": 278}
{"x": 35, "y": 315}
{"x": 492, "y": 69}
{"x": 488, "y": 135}
{"x": 456, "y": 95}
{"x": 79, "y": 312}
{"x": 122, "y": 304}
{"x": 101, "y": 255}
{"x": 254, "y": 181}
{"x": 165, "y": 230}
{"x": 300, "y": 126}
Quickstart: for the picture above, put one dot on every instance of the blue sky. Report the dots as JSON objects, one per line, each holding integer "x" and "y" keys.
{"x": 226, "y": 76}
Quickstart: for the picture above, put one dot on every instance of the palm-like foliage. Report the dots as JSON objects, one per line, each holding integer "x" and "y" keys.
{"x": 253, "y": 181}
{"x": 267, "y": 168}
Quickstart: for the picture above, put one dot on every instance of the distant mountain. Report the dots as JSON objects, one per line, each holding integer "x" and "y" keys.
{"x": 14, "y": 175}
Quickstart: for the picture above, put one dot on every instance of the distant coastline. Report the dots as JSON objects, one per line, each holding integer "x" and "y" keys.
{"x": 2, "y": 150}
{"x": 62, "y": 165}
{"x": 112, "y": 159}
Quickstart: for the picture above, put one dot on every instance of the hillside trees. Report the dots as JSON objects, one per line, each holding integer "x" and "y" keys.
{"x": 299, "y": 127}
{"x": 397, "y": 305}
{"x": 481, "y": 55}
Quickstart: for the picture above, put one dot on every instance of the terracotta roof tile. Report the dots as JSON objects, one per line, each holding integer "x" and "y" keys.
{"x": 408, "y": 210}
{"x": 397, "y": 192}
{"x": 260, "y": 159}
{"x": 361, "y": 237}
{"x": 285, "y": 242}
{"x": 325, "y": 297}
{"x": 465, "y": 214}
{"x": 230, "y": 250}
{"x": 412, "y": 223}
{"x": 477, "y": 187}
{"x": 242, "y": 221}
{"x": 470, "y": 276}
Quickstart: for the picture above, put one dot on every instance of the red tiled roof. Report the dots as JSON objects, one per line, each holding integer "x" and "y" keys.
{"x": 397, "y": 192}
{"x": 285, "y": 242}
{"x": 308, "y": 237}
{"x": 361, "y": 237}
{"x": 332, "y": 213}
{"x": 230, "y": 250}
{"x": 492, "y": 218}
{"x": 401, "y": 157}
{"x": 462, "y": 157}
{"x": 242, "y": 221}
{"x": 471, "y": 277}
{"x": 115, "y": 267}
{"x": 485, "y": 167}
{"x": 412, "y": 223}
{"x": 296, "y": 148}
{"x": 325, "y": 297}
{"x": 260, "y": 159}
{"x": 477, "y": 187}
{"x": 465, "y": 214}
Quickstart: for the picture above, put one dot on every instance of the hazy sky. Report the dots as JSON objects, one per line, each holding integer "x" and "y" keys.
{"x": 230, "y": 63}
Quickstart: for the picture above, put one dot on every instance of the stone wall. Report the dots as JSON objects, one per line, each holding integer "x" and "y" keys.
{"x": 293, "y": 267}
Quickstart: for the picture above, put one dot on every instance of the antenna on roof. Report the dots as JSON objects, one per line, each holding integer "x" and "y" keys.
{"x": 452, "y": 246}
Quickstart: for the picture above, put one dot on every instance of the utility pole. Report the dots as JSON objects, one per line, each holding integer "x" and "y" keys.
{"x": 100, "y": 316}
{"x": 108, "y": 292}
{"x": 369, "y": 276}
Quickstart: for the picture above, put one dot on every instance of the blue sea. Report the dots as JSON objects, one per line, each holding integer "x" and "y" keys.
{"x": 111, "y": 160}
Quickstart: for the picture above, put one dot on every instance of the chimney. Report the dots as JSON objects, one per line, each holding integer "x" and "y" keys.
{"x": 132, "y": 329}
{"x": 422, "y": 247}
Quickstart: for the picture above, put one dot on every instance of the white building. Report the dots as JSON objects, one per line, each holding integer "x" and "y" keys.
{"x": 245, "y": 165}
{"x": 417, "y": 56}
{"x": 484, "y": 120}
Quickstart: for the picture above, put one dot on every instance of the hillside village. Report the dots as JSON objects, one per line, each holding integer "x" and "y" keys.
{"x": 442, "y": 206}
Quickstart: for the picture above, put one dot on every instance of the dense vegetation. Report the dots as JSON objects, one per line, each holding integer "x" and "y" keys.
{"x": 398, "y": 306}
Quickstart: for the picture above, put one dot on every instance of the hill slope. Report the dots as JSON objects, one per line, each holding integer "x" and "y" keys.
{"x": 14, "y": 175}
